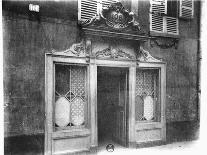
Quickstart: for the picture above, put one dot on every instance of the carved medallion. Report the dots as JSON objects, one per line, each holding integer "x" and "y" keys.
{"x": 114, "y": 16}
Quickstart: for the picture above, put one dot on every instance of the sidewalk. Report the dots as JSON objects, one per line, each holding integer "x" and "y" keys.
{"x": 184, "y": 148}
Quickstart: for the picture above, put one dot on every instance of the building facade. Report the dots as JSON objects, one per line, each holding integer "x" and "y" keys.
{"x": 78, "y": 74}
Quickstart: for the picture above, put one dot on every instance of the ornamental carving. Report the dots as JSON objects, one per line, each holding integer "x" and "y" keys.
{"x": 114, "y": 16}
{"x": 114, "y": 54}
{"x": 145, "y": 56}
{"x": 164, "y": 43}
{"x": 77, "y": 49}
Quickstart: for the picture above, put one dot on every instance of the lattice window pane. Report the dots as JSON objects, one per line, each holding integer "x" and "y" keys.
{"x": 147, "y": 106}
{"x": 70, "y": 96}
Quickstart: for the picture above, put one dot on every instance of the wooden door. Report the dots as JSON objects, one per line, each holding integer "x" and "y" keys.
{"x": 121, "y": 110}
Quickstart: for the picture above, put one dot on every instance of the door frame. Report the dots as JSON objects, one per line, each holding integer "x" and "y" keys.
{"x": 131, "y": 67}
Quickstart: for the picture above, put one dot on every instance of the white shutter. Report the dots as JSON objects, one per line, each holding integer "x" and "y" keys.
{"x": 107, "y": 2}
{"x": 158, "y": 6}
{"x": 156, "y": 23}
{"x": 186, "y": 8}
{"x": 164, "y": 24}
{"x": 87, "y": 9}
{"x": 172, "y": 25}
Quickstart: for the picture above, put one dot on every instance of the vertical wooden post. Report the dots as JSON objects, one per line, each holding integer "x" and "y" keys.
{"x": 93, "y": 102}
{"x": 131, "y": 124}
{"x": 163, "y": 97}
{"x": 49, "y": 104}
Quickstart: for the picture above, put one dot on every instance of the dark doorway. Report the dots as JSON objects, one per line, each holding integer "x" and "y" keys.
{"x": 112, "y": 103}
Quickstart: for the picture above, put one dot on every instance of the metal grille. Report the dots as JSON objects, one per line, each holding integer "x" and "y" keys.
{"x": 146, "y": 92}
{"x": 77, "y": 111}
{"x": 144, "y": 83}
{"x": 70, "y": 83}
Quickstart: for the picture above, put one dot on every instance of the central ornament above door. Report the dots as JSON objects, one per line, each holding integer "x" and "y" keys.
{"x": 114, "y": 16}
{"x": 117, "y": 17}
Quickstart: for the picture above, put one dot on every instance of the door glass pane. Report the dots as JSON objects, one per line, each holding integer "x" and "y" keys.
{"x": 70, "y": 96}
{"x": 147, "y": 106}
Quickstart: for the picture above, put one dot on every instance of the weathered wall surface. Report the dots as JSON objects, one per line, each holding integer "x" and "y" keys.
{"x": 25, "y": 44}
{"x": 182, "y": 68}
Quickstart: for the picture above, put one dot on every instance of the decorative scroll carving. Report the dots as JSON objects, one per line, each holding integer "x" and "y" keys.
{"x": 114, "y": 54}
{"x": 144, "y": 55}
{"x": 164, "y": 43}
{"x": 114, "y": 16}
{"x": 77, "y": 49}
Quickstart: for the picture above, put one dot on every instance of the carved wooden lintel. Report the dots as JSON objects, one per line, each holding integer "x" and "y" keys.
{"x": 77, "y": 50}
{"x": 113, "y": 54}
{"x": 145, "y": 56}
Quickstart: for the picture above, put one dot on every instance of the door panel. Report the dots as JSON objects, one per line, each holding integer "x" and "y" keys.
{"x": 121, "y": 110}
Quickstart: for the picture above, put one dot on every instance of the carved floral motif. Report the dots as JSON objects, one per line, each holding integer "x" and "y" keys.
{"x": 164, "y": 43}
{"x": 145, "y": 56}
{"x": 77, "y": 49}
{"x": 113, "y": 53}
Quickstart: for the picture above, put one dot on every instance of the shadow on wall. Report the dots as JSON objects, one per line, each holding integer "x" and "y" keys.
{"x": 24, "y": 145}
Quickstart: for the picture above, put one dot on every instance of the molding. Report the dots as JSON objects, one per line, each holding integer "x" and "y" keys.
{"x": 114, "y": 16}
{"x": 77, "y": 50}
{"x": 145, "y": 56}
{"x": 110, "y": 52}
{"x": 113, "y": 34}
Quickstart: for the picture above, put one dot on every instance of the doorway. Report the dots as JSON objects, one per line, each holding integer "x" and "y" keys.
{"x": 112, "y": 105}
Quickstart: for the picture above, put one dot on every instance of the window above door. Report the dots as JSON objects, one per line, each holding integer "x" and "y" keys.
{"x": 165, "y": 15}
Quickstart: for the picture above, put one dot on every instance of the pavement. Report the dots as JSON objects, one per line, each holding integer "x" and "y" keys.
{"x": 183, "y": 148}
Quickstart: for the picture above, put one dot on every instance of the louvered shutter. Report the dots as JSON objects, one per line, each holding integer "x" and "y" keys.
{"x": 159, "y": 22}
{"x": 157, "y": 9}
{"x": 107, "y": 2}
{"x": 186, "y": 9}
{"x": 158, "y": 6}
{"x": 156, "y": 23}
{"x": 172, "y": 25}
{"x": 87, "y": 9}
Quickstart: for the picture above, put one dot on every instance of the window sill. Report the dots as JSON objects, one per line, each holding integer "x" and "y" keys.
{"x": 71, "y": 133}
{"x": 157, "y": 34}
{"x": 148, "y": 125}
